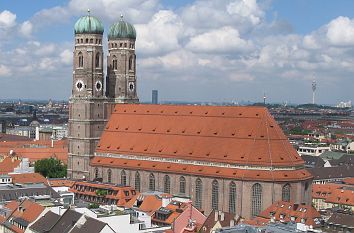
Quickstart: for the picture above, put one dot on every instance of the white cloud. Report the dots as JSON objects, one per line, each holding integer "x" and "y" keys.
{"x": 247, "y": 9}
{"x": 7, "y": 19}
{"x": 26, "y": 28}
{"x": 66, "y": 57}
{"x": 161, "y": 34}
{"x": 4, "y": 71}
{"x": 223, "y": 40}
{"x": 341, "y": 31}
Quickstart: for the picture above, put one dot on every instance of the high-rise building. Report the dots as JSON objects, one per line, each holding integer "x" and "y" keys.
{"x": 155, "y": 96}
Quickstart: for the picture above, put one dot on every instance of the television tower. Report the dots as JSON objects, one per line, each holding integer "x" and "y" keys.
{"x": 264, "y": 98}
{"x": 314, "y": 86}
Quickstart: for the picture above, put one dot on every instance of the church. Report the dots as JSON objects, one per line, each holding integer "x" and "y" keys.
{"x": 235, "y": 159}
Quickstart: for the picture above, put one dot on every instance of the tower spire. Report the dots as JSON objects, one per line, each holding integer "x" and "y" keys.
{"x": 314, "y": 87}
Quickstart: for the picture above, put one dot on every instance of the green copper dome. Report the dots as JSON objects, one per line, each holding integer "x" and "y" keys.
{"x": 121, "y": 30}
{"x": 88, "y": 25}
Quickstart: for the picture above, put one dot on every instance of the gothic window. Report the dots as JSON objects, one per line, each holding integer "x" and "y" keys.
{"x": 109, "y": 175}
{"x": 232, "y": 197}
{"x": 115, "y": 63}
{"x": 166, "y": 184}
{"x": 97, "y": 60}
{"x": 182, "y": 185}
{"x": 137, "y": 181}
{"x": 81, "y": 60}
{"x": 96, "y": 173}
{"x": 215, "y": 195}
{"x": 198, "y": 193}
{"x": 285, "y": 194}
{"x": 123, "y": 178}
{"x": 151, "y": 182}
{"x": 256, "y": 199}
{"x": 130, "y": 62}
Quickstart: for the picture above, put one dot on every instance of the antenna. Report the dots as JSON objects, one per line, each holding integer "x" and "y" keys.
{"x": 314, "y": 86}
{"x": 264, "y": 98}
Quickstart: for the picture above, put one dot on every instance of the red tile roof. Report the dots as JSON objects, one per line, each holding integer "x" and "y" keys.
{"x": 334, "y": 193}
{"x": 232, "y": 173}
{"x": 35, "y": 150}
{"x": 240, "y": 135}
{"x": 61, "y": 182}
{"x": 8, "y": 165}
{"x": 283, "y": 211}
{"x": 28, "y": 178}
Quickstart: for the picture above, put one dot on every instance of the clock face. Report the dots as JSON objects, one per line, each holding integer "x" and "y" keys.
{"x": 131, "y": 86}
{"x": 98, "y": 85}
{"x": 79, "y": 85}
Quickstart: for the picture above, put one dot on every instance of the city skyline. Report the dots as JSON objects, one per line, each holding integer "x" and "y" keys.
{"x": 263, "y": 48}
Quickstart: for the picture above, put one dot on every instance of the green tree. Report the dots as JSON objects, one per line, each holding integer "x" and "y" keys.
{"x": 51, "y": 168}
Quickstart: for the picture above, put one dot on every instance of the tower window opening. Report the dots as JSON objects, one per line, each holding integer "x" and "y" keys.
{"x": 232, "y": 197}
{"x": 256, "y": 199}
{"x": 121, "y": 45}
{"x": 82, "y": 41}
{"x": 125, "y": 45}
{"x": 130, "y": 62}
{"x": 182, "y": 185}
{"x": 91, "y": 41}
{"x": 115, "y": 63}
{"x": 109, "y": 178}
{"x": 81, "y": 60}
{"x": 123, "y": 178}
{"x": 87, "y": 40}
{"x": 97, "y": 60}
{"x": 286, "y": 192}
{"x": 77, "y": 41}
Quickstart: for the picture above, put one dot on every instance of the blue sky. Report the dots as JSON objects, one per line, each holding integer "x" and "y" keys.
{"x": 206, "y": 50}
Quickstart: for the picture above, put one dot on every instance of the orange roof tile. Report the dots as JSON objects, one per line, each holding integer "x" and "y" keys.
{"x": 61, "y": 182}
{"x": 8, "y": 165}
{"x": 232, "y": 173}
{"x": 349, "y": 181}
{"x": 236, "y": 135}
{"x": 288, "y": 210}
{"x": 26, "y": 178}
{"x": 35, "y": 150}
{"x": 342, "y": 196}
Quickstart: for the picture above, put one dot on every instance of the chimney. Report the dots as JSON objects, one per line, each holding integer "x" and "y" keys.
{"x": 216, "y": 216}
{"x": 52, "y": 143}
{"x": 222, "y": 216}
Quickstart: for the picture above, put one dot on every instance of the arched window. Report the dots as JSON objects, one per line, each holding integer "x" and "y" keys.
{"x": 109, "y": 176}
{"x": 137, "y": 181}
{"x": 115, "y": 63}
{"x": 182, "y": 185}
{"x": 166, "y": 184}
{"x": 130, "y": 62}
{"x": 151, "y": 182}
{"x": 198, "y": 193}
{"x": 97, "y": 60}
{"x": 285, "y": 194}
{"x": 123, "y": 178}
{"x": 81, "y": 60}
{"x": 256, "y": 199}
{"x": 96, "y": 173}
{"x": 215, "y": 195}
{"x": 232, "y": 197}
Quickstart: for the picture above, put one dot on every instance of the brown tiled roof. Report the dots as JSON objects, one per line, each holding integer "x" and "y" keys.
{"x": 288, "y": 210}
{"x": 8, "y": 137}
{"x": 322, "y": 191}
{"x": 342, "y": 196}
{"x": 35, "y": 150}
{"x": 236, "y": 135}
{"x": 61, "y": 182}
{"x": 232, "y": 173}
{"x": 123, "y": 193}
{"x": 28, "y": 178}
{"x": 210, "y": 221}
{"x": 349, "y": 181}
{"x": 8, "y": 165}
{"x": 45, "y": 223}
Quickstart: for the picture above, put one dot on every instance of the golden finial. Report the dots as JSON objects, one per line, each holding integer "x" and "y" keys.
{"x": 88, "y": 12}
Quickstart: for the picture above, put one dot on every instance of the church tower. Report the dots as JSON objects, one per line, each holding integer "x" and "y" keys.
{"x": 87, "y": 115}
{"x": 121, "y": 63}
